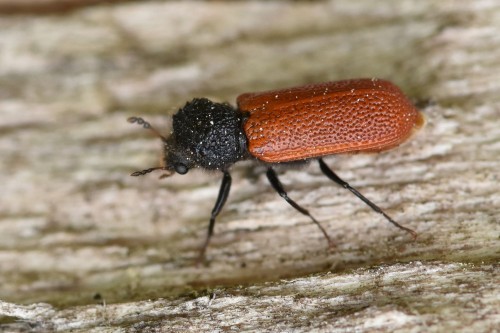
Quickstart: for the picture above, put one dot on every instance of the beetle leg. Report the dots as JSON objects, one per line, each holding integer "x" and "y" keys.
{"x": 330, "y": 174}
{"x": 278, "y": 187}
{"x": 221, "y": 200}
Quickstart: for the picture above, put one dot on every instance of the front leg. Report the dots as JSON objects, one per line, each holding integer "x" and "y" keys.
{"x": 221, "y": 200}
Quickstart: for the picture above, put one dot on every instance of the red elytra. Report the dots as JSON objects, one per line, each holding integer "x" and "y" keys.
{"x": 288, "y": 125}
{"x": 364, "y": 115}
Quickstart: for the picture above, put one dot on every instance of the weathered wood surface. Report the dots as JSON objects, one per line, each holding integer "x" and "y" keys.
{"x": 77, "y": 232}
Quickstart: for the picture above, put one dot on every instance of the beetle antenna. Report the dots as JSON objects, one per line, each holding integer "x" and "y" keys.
{"x": 146, "y": 125}
{"x": 146, "y": 171}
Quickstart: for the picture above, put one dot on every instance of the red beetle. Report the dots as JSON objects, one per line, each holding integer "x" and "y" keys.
{"x": 285, "y": 126}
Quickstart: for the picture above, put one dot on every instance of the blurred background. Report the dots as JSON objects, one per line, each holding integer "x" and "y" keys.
{"x": 75, "y": 228}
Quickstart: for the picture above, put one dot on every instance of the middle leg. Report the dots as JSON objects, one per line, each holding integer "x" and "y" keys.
{"x": 278, "y": 187}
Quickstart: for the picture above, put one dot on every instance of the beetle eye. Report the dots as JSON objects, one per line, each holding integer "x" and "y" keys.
{"x": 181, "y": 169}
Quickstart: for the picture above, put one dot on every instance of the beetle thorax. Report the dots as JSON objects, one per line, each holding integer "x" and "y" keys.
{"x": 207, "y": 135}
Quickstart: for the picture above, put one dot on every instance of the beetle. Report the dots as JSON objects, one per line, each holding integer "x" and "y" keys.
{"x": 284, "y": 127}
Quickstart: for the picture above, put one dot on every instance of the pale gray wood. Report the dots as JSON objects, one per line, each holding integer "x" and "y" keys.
{"x": 73, "y": 224}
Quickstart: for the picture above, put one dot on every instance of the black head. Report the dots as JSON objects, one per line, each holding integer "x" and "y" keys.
{"x": 204, "y": 135}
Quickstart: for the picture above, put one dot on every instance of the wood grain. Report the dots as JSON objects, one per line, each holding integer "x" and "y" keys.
{"x": 77, "y": 232}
